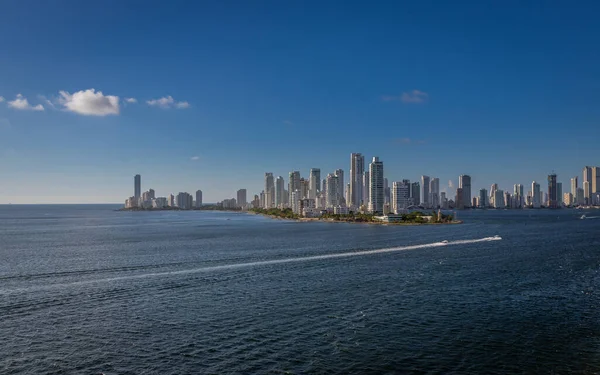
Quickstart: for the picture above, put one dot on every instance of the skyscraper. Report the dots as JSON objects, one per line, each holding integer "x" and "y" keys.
{"x": 376, "y": 197}
{"x": 493, "y": 189}
{"x": 314, "y": 183}
{"x": 242, "y": 199}
{"x": 536, "y": 195}
{"x": 587, "y": 193}
{"x": 518, "y": 195}
{"x": 574, "y": 186}
{"x": 464, "y": 182}
{"x": 559, "y": 194}
{"x": 483, "y": 198}
{"x": 400, "y": 196}
{"x": 347, "y": 196}
{"x": 365, "y": 188}
{"x": 587, "y": 177}
{"x": 434, "y": 192}
{"x": 552, "y": 191}
{"x": 458, "y": 199}
{"x": 294, "y": 183}
{"x": 332, "y": 193}
{"x": 279, "y": 192}
{"x": 595, "y": 180}
{"x": 339, "y": 173}
{"x": 425, "y": 192}
{"x": 269, "y": 190}
{"x": 137, "y": 186}
{"x": 199, "y": 198}
{"x": 415, "y": 193}
{"x": 357, "y": 169}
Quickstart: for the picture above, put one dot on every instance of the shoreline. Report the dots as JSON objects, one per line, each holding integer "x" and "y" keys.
{"x": 316, "y": 219}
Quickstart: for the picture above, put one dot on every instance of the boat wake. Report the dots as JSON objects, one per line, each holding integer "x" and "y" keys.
{"x": 272, "y": 262}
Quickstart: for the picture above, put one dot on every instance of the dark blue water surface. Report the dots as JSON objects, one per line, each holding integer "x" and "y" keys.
{"x": 86, "y": 289}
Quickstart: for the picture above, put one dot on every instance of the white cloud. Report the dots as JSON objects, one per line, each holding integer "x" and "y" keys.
{"x": 414, "y": 96}
{"x": 21, "y": 103}
{"x": 47, "y": 101}
{"x": 90, "y": 103}
{"x": 195, "y": 158}
{"x": 1, "y": 99}
{"x": 167, "y": 102}
{"x": 130, "y": 100}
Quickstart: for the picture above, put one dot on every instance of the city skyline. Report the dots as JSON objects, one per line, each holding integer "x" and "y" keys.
{"x": 202, "y": 95}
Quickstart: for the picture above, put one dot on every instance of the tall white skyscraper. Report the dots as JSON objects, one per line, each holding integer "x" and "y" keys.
{"x": 434, "y": 192}
{"x": 536, "y": 196}
{"x": 587, "y": 177}
{"x": 493, "y": 189}
{"x": 198, "y": 198}
{"x": 518, "y": 196}
{"x": 357, "y": 169}
{"x": 464, "y": 182}
{"x": 498, "y": 198}
{"x": 279, "y": 192}
{"x": 332, "y": 193}
{"x": 376, "y": 193}
{"x": 314, "y": 183}
{"x": 425, "y": 192}
{"x": 587, "y": 192}
{"x": 339, "y": 173}
{"x": 347, "y": 196}
{"x": 269, "y": 190}
{"x": 574, "y": 186}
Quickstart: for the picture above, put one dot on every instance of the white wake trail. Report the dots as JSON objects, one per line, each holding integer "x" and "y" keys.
{"x": 265, "y": 263}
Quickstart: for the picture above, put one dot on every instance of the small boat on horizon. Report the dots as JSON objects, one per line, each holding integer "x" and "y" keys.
{"x": 583, "y": 217}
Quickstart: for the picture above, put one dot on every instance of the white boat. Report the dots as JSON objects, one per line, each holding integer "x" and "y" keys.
{"x": 445, "y": 241}
{"x": 583, "y": 217}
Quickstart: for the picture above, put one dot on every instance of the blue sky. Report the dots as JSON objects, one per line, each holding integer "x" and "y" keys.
{"x": 504, "y": 92}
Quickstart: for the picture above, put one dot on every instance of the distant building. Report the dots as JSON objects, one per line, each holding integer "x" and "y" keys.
{"x": 280, "y": 200}
{"x": 365, "y": 188}
{"x": 400, "y": 196}
{"x": 458, "y": 203}
{"x": 483, "y": 198}
{"x": 198, "y": 198}
{"x": 376, "y": 198}
{"x": 464, "y": 182}
{"x": 552, "y": 191}
{"x": 269, "y": 190}
{"x": 574, "y": 187}
{"x": 474, "y": 203}
{"x": 171, "y": 200}
{"x": 499, "y": 198}
{"x": 241, "y": 198}
{"x": 493, "y": 189}
{"x": 425, "y": 192}
{"x": 332, "y": 192}
{"x": 314, "y": 182}
{"x": 184, "y": 201}
{"x": 443, "y": 201}
{"x": 339, "y": 173}
{"x": 507, "y": 200}
{"x": 434, "y": 192}
{"x": 357, "y": 170}
{"x": 579, "y": 197}
{"x": 304, "y": 187}
{"x": 294, "y": 183}
{"x": 295, "y": 199}
{"x": 415, "y": 194}
{"x": 518, "y": 198}
{"x": 160, "y": 202}
{"x": 536, "y": 196}
{"x": 137, "y": 186}
{"x": 559, "y": 194}
{"x": 587, "y": 193}
{"x": 568, "y": 199}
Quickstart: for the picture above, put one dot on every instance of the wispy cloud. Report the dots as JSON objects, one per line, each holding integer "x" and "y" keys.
{"x": 409, "y": 141}
{"x": 130, "y": 100}
{"x": 1, "y": 99}
{"x": 47, "y": 101}
{"x": 195, "y": 158}
{"x": 90, "y": 103}
{"x": 167, "y": 102}
{"x": 22, "y": 104}
{"x": 414, "y": 97}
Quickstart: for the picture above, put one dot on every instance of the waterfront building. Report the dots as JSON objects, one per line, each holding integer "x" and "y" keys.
{"x": 314, "y": 182}
{"x": 137, "y": 186}
{"x": 348, "y": 196}
{"x": 474, "y": 202}
{"x": 400, "y": 196}
{"x": 341, "y": 210}
{"x": 425, "y": 192}
{"x": 241, "y": 198}
{"x": 434, "y": 192}
{"x": 280, "y": 192}
{"x": 199, "y": 198}
{"x": 171, "y": 200}
{"x": 587, "y": 193}
{"x": 365, "y": 188}
{"x": 294, "y": 181}
{"x": 229, "y": 203}
{"x": 184, "y": 201}
{"x": 574, "y": 187}
{"x": 507, "y": 200}
{"x": 357, "y": 169}
{"x": 536, "y": 196}
{"x": 332, "y": 197}
{"x": 262, "y": 199}
{"x": 552, "y": 191}
{"x": 304, "y": 187}
{"x": 376, "y": 198}
{"x": 458, "y": 199}
{"x": 339, "y": 173}
{"x": 518, "y": 198}
{"x": 579, "y": 197}
{"x": 483, "y": 197}
{"x": 443, "y": 201}
{"x": 568, "y": 199}
{"x": 493, "y": 189}
{"x": 464, "y": 182}
{"x": 295, "y": 199}
{"x": 559, "y": 194}
{"x": 415, "y": 194}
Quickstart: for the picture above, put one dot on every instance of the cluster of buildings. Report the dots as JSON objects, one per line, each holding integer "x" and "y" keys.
{"x": 148, "y": 199}
{"x": 368, "y": 191}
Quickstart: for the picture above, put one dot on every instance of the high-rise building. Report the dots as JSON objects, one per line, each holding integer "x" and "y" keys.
{"x": 415, "y": 194}
{"x": 552, "y": 191}
{"x": 458, "y": 199}
{"x": 518, "y": 196}
{"x": 184, "y": 201}
{"x": 579, "y": 200}
{"x": 332, "y": 192}
{"x": 357, "y": 169}
{"x": 507, "y": 200}
{"x": 587, "y": 193}
{"x": 464, "y": 182}
{"x": 304, "y": 187}
{"x": 294, "y": 183}
{"x": 242, "y": 200}
{"x": 376, "y": 198}
{"x": 587, "y": 177}
{"x": 269, "y": 190}
{"x": 536, "y": 196}
{"x": 434, "y": 192}
{"x": 295, "y": 201}
{"x": 483, "y": 198}
{"x": 493, "y": 189}
{"x": 568, "y": 199}
{"x": 314, "y": 183}
{"x": 279, "y": 192}
{"x": 443, "y": 200}
{"x": 425, "y": 192}
{"x": 199, "y": 198}
{"x": 171, "y": 200}
{"x": 559, "y": 194}
{"x": 347, "y": 195}
{"x": 400, "y": 196}
{"x": 339, "y": 173}
{"x": 365, "y": 188}
{"x": 137, "y": 186}
{"x": 595, "y": 181}
{"x": 574, "y": 186}
{"x": 499, "y": 198}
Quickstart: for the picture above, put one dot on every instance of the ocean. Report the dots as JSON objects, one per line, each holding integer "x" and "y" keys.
{"x": 85, "y": 289}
